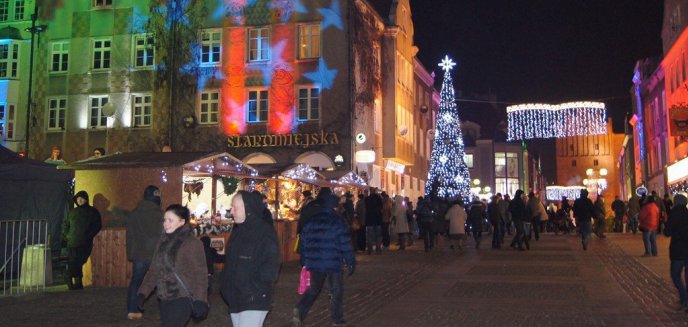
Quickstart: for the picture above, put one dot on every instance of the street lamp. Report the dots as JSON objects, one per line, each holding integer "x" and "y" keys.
{"x": 34, "y": 29}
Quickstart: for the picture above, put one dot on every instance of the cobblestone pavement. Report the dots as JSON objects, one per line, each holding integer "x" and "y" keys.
{"x": 554, "y": 284}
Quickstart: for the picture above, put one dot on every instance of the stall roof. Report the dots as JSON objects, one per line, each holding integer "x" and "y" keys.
{"x": 345, "y": 177}
{"x": 201, "y": 162}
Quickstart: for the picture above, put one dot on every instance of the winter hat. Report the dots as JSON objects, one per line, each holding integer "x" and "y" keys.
{"x": 680, "y": 200}
{"x": 150, "y": 194}
{"x": 81, "y": 194}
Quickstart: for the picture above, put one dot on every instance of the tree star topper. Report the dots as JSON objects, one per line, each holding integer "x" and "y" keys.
{"x": 447, "y": 64}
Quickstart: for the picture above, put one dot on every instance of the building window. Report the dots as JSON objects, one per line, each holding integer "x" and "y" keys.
{"x": 259, "y": 44}
{"x": 97, "y": 119}
{"x": 7, "y": 116}
{"x": 309, "y": 41}
{"x": 19, "y": 8}
{"x": 4, "y": 10}
{"x": 309, "y": 103}
{"x": 102, "y": 3}
{"x": 597, "y": 146}
{"x": 144, "y": 50}
{"x": 595, "y": 162}
{"x": 211, "y": 45}
{"x": 56, "y": 113}
{"x": 573, "y": 163}
{"x": 60, "y": 57}
{"x": 142, "y": 109}
{"x": 101, "y": 54}
{"x": 468, "y": 159}
{"x": 9, "y": 60}
{"x": 257, "y": 106}
{"x": 208, "y": 110}
{"x": 506, "y": 172}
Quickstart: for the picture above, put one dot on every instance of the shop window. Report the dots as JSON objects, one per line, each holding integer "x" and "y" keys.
{"x": 56, "y": 113}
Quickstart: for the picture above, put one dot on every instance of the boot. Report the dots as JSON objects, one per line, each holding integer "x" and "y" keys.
{"x": 78, "y": 285}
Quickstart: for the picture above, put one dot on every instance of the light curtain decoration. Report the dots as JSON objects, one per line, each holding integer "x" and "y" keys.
{"x": 538, "y": 120}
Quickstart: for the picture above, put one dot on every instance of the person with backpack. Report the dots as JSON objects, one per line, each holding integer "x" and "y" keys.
{"x": 424, "y": 216}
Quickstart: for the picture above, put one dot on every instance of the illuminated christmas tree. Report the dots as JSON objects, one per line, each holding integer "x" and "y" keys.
{"x": 448, "y": 176}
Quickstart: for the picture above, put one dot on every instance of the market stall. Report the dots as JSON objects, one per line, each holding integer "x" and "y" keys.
{"x": 346, "y": 182}
{"x": 116, "y": 182}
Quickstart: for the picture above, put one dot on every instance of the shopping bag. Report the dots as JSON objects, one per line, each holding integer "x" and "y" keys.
{"x": 304, "y": 281}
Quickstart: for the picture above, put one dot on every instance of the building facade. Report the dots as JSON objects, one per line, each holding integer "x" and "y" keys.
{"x": 268, "y": 81}
{"x": 590, "y": 160}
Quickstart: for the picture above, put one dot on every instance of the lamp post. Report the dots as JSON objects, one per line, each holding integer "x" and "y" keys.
{"x": 34, "y": 29}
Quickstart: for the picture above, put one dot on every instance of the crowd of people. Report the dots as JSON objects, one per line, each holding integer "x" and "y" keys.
{"x": 169, "y": 259}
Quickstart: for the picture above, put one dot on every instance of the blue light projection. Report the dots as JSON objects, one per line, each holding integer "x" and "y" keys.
{"x": 332, "y": 16}
{"x": 277, "y": 61}
{"x": 323, "y": 76}
{"x": 288, "y": 8}
{"x": 207, "y": 75}
{"x": 138, "y": 20}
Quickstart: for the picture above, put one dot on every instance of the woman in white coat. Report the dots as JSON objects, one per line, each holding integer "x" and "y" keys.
{"x": 401, "y": 227}
{"x": 457, "y": 224}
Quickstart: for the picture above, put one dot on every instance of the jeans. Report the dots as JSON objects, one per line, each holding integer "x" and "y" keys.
{"x": 335, "y": 284}
{"x": 248, "y": 318}
{"x": 633, "y": 224}
{"x": 585, "y": 230}
{"x": 497, "y": 235}
{"x": 678, "y": 273}
{"x": 427, "y": 235}
{"x": 374, "y": 233}
{"x": 402, "y": 241}
{"x": 650, "y": 242}
{"x": 139, "y": 269}
{"x": 520, "y": 237}
{"x": 175, "y": 312}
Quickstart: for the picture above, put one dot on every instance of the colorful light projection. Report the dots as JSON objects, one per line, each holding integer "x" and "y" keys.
{"x": 278, "y": 74}
{"x": 529, "y": 121}
{"x": 555, "y": 193}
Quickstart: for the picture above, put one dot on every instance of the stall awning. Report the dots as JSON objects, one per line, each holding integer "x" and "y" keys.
{"x": 194, "y": 163}
{"x": 306, "y": 174}
{"x": 345, "y": 178}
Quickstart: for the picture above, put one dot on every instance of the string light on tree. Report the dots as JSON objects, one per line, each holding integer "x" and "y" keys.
{"x": 448, "y": 175}
{"x": 538, "y": 120}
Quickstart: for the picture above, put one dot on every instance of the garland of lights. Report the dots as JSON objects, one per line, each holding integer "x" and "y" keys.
{"x": 301, "y": 172}
{"x": 448, "y": 175}
{"x": 555, "y": 193}
{"x": 352, "y": 179}
{"x": 530, "y": 121}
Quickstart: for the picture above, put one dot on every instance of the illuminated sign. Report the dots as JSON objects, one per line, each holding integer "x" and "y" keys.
{"x": 677, "y": 171}
{"x": 365, "y": 156}
{"x": 395, "y": 166}
{"x": 304, "y": 140}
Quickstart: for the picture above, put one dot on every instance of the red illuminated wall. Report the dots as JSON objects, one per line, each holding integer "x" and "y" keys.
{"x": 673, "y": 62}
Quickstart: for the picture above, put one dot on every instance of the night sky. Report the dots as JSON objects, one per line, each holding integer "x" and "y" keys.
{"x": 541, "y": 50}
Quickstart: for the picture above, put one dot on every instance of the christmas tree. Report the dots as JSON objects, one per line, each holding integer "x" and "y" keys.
{"x": 448, "y": 176}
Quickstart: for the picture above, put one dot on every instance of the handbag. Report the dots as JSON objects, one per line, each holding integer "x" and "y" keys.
{"x": 191, "y": 299}
{"x": 304, "y": 281}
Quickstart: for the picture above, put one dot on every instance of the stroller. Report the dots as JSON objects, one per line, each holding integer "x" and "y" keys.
{"x": 562, "y": 222}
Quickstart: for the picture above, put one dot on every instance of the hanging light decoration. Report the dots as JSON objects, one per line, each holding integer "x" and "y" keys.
{"x": 352, "y": 179}
{"x": 555, "y": 193}
{"x": 538, "y": 120}
{"x": 301, "y": 172}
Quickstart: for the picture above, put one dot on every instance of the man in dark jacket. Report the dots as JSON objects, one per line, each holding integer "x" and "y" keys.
{"x": 494, "y": 213}
{"x": 677, "y": 228}
{"x": 424, "y": 216}
{"x": 311, "y": 208}
{"x": 476, "y": 214}
{"x": 583, "y": 210}
{"x": 519, "y": 215}
{"x": 325, "y": 246}
{"x": 373, "y": 204}
{"x": 144, "y": 228}
{"x": 619, "y": 208}
{"x": 78, "y": 230}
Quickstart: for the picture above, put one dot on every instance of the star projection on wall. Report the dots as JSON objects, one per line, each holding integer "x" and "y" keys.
{"x": 323, "y": 76}
{"x": 233, "y": 120}
{"x": 277, "y": 53}
{"x": 332, "y": 16}
{"x": 287, "y": 8}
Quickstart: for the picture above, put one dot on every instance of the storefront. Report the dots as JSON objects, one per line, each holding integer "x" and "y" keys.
{"x": 677, "y": 176}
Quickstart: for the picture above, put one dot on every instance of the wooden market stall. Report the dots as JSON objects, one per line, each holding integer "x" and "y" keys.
{"x": 116, "y": 182}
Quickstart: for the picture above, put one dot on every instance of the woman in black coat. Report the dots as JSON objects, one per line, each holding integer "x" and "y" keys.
{"x": 677, "y": 229}
{"x": 251, "y": 262}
